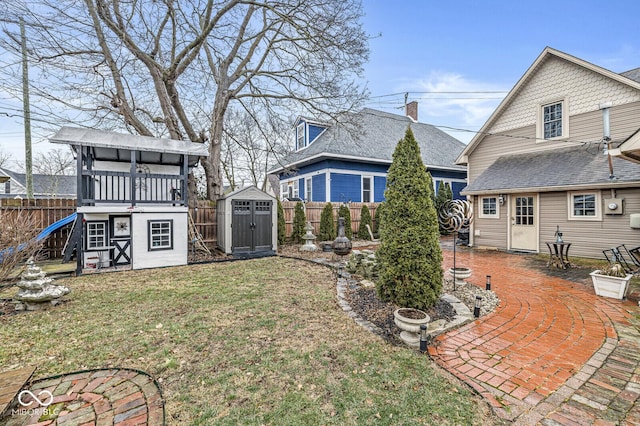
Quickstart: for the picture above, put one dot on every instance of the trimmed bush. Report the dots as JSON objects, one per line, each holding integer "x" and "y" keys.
{"x": 377, "y": 219}
{"x": 327, "y": 224}
{"x": 409, "y": 256}
{"x": 365, "y": 219}
{"x": 282, "y": 225}
{"x": 299, "y": 222}
{"x": 345, "y": 212}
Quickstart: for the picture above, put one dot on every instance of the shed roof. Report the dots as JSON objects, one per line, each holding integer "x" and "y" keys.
{"x": 558, "y": 169}
{"x": 374, "y": 141}
{"x": 113, "y": 146}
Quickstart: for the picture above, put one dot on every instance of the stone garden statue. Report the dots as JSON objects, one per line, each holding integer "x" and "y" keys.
{"x": 37, "y": 290}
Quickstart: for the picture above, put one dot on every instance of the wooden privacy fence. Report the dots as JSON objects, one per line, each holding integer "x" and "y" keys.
{"x": 44, "y": 212}
{"x": 313, "y": 211}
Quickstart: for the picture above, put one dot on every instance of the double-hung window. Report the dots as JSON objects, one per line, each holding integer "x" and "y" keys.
{"x": 584, "y": 206}
{"x": 308, "y": 190}
{"x": 301, "y": 136}
{"x": 489, "y": 207}
{"x": 553, "y": 120}
{"x": 367, "y": 189}
{"x": 160, "y": 235}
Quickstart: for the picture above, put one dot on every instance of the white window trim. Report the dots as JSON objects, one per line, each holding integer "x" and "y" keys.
{"x": 483, "y": 215}
{"x": 371, "y": 191}
{"x": 598, "y": 201}
{"x": 540, "y": 120}
{"x": 169, "y": 241}
{"x": 301, "y": 129}
{"x": 308, "y": 189}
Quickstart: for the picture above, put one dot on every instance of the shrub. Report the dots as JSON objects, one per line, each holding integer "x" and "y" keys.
{"x": 282, "y": 225}
{"x": 377, "y": 219}
{"x": 327, "y": 224}
{"x": 17, "y": 242}
{"x": 345, "y": 212}
{"x": 409, "y": 256}
{"x": 365, "y": 219}
{"x": 299, "y": 222}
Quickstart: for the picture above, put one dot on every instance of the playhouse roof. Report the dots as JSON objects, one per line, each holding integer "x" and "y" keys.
{"x": 112, "y": 146}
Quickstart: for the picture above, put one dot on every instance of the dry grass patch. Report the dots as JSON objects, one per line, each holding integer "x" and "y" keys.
{"x": 252, "y": 342}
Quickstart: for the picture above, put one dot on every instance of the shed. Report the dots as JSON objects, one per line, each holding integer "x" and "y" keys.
{"x": 248, "y": 223}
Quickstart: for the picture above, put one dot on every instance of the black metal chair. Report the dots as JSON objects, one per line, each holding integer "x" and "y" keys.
{"x": 615, "y": 255}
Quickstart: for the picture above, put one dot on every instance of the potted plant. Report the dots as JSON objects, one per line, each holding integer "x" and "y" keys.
{"x": 611, "y": 281}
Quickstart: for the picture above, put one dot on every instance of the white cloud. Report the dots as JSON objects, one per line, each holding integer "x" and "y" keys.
{"x": 454, "y": 100}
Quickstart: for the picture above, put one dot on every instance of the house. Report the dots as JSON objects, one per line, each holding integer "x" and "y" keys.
{"x": 541, "y": 161}
{"x": 14, "y": 185}
{"x": 132, "y": 198}
{"x": 337, "y": 163}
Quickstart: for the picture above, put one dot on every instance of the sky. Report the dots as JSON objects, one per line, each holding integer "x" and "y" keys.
{"x": 477, "y": 49}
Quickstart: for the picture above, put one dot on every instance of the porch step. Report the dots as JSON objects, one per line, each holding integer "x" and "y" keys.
{"x": 11, "y": 383}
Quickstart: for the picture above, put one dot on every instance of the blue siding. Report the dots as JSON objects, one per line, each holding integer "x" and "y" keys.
{"x": 314, "y": 131}
{"x": 345, "y": 188}
{"x": 456, "y": 187}
{"x": 319, "y": 187}
{"x": 379, "y": 185}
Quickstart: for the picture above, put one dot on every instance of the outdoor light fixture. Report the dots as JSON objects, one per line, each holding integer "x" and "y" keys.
{"x": 476, "y": 307}
{"x": 423, "y": 338}
{"x": 501, "y": 199}
{"x": 488, "y": 283}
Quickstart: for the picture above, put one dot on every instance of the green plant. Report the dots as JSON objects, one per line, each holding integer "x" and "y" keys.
{"x": 327, "y": 224}
{"x": 365, "y": 219}
{"x": 299, "y": 220}
{"x": 444, "y": 195}
{"x": 282, "y": 225}
{"x": 377, "y": 218}
{"x": 409, "y": 255}
{"x": 345, "y": 212}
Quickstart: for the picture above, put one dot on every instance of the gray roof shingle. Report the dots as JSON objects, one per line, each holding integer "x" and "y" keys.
{"x": 47, "y": 184}
{"x": 576, "y": 166}
{"x": 633, "y": 74}
{"x": 376, "y": 138}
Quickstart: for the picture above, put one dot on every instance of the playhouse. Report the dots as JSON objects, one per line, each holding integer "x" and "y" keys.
{"x": 132, "y": 198}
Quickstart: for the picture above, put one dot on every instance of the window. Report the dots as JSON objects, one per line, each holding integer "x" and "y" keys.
{"x": 300, "y": 136}
{"x": 553, "y": 120}
{"x": 489, "y": 207}
{"x": 284, "y": 191}
{"x": 96, "y": 235}
{"x": 524, "y": 214}
{"x": 291, "y": 189}
{"x": 160, "y": 234}
{"x": 366, "y": 189}
{"x": 307, "y": 189}
{"x": 584, "y": 206}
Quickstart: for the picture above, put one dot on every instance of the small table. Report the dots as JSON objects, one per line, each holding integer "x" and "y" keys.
{"x": 558, "y": 254}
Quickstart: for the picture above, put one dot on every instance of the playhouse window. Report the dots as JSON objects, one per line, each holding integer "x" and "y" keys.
{"x": 96, "y": 235}
{"x": 160, "y": 235}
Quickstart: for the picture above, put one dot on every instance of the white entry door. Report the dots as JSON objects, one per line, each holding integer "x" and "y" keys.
{"x": 524, "y": 222}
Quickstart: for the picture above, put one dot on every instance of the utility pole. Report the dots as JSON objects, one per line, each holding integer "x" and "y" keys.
{"x": 27, "y": 112}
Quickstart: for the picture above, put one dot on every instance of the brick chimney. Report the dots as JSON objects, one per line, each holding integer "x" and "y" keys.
{"x": 411, "y": 110}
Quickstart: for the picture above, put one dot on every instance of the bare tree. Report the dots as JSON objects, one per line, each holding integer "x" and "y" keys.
{"x": 5, "y": 158}
{"x": 57, "y": 162}
{"x": 174, "y": 67}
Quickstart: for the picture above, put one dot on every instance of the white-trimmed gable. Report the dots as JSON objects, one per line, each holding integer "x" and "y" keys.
{"x": 557, "y": 79}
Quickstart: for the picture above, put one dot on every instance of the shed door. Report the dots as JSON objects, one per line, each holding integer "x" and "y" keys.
{"x": 251, "y": 226}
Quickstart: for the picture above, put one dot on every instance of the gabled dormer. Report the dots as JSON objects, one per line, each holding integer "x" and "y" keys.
{"x": 307, "y": 131}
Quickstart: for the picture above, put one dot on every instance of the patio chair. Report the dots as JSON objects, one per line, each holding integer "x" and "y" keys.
{"x": 615, "y": 255}
{"x": 634, "y": 254}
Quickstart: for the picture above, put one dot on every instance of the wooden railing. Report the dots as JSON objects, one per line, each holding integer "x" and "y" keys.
{"x": 101, "y": 186}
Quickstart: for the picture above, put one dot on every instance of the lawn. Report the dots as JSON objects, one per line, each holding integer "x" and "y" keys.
{"x": 250, "y": 342}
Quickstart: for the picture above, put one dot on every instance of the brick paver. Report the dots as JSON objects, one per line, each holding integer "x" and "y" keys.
{"x": 114, "y": 397}
{"x": 552, "y": 353}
